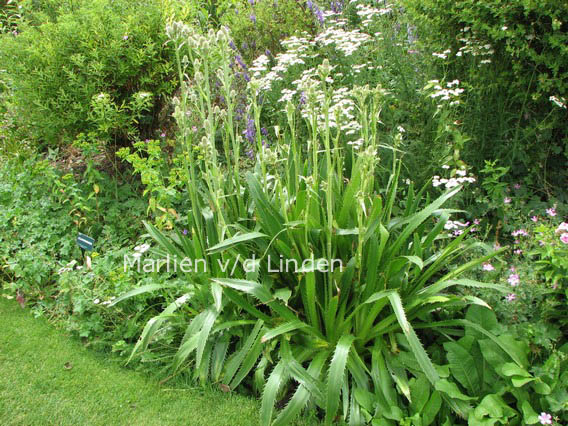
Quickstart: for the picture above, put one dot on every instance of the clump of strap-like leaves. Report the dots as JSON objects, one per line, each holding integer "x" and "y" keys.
{"x": 344, "y": 340}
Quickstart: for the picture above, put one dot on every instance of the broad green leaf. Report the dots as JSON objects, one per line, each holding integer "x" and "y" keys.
{"x": 235, "y": 240}
{"x": 431, "y": 409}
{"x": 415, "y": 345}
{"x": 302, "y": 395}
{"x": 530, "y": 416}
{"x": 153, "y": 325}
{"x": 281, "y": 329}
{"x": 148, "y": 288}
{"x": 250, "y": 287}
{"x": 420, "y": 393}
{"x": 203, "y": 336}
{"x": 234, "y": 363}
{"x": 463, "y": 366}
{"x": 335, "y": 377}
{"x": 277, "y": 378}
{"x": 248, "y": 363}
{"x": 163, "y": 241}
{"x": 511, "y": 369}
{"x": 452, "y": 390}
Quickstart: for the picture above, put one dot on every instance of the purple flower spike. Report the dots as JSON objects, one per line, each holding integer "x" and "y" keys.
{"x": 240, "y": 62}
{"x": 319, "y": 15}
{"x": 250, "y": 132}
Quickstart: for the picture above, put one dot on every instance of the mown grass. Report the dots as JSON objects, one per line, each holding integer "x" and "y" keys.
{"x": 36, "y": 388}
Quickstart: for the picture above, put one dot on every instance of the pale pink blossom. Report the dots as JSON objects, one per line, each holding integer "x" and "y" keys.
{"x": 564, "y": 238}
{"x": 545, "y": 419}
{"x": 488, "y": 267}
{"x": 514, "y": 280}
{"x": 511, "y": 297}
{"x": 551, "y": 212}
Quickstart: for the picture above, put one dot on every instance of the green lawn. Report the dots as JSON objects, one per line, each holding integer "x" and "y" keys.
{"x": 37, "y": 389}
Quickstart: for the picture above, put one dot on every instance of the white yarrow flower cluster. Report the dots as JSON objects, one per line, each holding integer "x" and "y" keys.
{"x": 461, "y": 177}
{"x": 442, "y": 55}
{"x": 344, "y": 41}
{"x": 472, "y": 46}
{"x": 368, "y": 13}
{"x": 140, "y": 250}
{"x": 455, "y": 224}
{"x": 451, "y": 92}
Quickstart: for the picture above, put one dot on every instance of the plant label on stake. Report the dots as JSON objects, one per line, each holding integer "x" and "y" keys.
{"x": 86, "y": 243}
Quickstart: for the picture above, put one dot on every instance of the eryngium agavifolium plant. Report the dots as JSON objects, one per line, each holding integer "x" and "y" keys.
{"x": 341, "y": 340}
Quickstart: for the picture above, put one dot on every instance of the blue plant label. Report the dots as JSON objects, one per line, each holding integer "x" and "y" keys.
{"x": 85, "y": 242}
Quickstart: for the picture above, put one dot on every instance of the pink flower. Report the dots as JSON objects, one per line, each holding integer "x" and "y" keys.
{"x": 514, "y": 280}
{"x": 507, "y": 200}
{"x": 520, "y": 232}
{"x": 513, "y": 269}
{"x": 545, "y": 419}
{"x": 125, "y": 37}
{"x": 534, "y": 219}
{"x": 517, "y": 186}
{"x": 564, "y": 238}
{"x": 511, "y": 297}
{"x": 488, "y": 267}
{"x": 551, "y": 212}
{"x": 562, "y": 227}
{"x": 476, "y": 221}
{"x": 163, "y": 135}
{"x": 518, "y": 251}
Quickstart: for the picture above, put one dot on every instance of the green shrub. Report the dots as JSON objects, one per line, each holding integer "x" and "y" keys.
{"x": 98, "y": 67}
{"x": 514, "y": 56}
{"x": 41, "y": 212}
